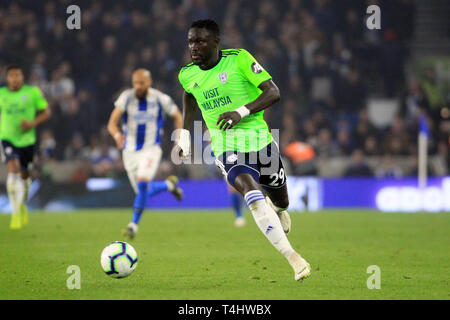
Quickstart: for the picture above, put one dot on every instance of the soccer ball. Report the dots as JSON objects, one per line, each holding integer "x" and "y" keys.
{"x": 119, "y": 259}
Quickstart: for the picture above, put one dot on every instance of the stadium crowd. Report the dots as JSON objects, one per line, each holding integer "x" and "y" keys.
{"x": 325, "y": 61}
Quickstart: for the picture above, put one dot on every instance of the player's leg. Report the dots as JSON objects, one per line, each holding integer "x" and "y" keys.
{"x": 25, "y": 175}
{"x": 16, "y": 192}
{"x": 131, "y": 166}
{"x": 273, "y": 180}
{"x": 147, "y": 165}
{"x": 236, "y": 203}
{"x": 14, "y": 183}
{"x": 170, "y": 185}
{"x": 244, "y": 176}
{"x": 278, "y": 199}
{"x": 269, "y": 223}
{"x": 26, "y": 160}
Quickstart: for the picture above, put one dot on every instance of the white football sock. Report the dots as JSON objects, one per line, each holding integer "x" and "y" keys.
{"x": 27, "y": 183}
{"x": 268, "y": 222}
{"x": 16, "y": 191}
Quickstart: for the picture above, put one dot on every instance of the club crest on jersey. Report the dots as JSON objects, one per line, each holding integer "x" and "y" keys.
{"x": 256, "y": 68}
{"x": 223, "y": 77}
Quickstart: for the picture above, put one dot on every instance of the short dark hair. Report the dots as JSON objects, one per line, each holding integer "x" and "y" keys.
{"x": 207, "y": 24}
{"x": 13, "y": 66}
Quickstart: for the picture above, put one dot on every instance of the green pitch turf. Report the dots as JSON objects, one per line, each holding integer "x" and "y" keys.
{"x": 201, "y": 255}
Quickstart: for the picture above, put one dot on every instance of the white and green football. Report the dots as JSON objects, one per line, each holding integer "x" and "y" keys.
{"x": 119, "y": 259}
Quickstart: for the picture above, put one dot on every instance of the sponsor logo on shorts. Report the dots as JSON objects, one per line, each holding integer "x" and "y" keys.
{"x": 232, "y": 158}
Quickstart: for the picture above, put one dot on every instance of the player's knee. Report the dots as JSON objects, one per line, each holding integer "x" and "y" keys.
{"x": 142, "y": 186}
{"x": 282, "y": 202}
{"x": 13, "y": 166}
{"x": 25, "y": 175}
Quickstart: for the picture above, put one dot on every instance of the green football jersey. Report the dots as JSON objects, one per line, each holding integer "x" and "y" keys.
{"x": 233, "y": 82}
{"x": 16, "y": 106}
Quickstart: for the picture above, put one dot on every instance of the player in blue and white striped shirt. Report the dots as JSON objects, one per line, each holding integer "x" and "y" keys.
{"x": 142, "y": 110}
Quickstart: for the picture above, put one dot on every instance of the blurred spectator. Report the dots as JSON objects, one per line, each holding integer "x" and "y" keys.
{"x": 326, "y": 147}
{"x": 301, "y": 155}
{"x": 321, "y": 79}
{"x": 358, "y": 166}
{"x": 344, "y": 141}
{"x": 388, "y": 168}
{"x": 76, "y": 150}
{"x": 104, "y": 160}
{"x": 352, "y": 94}
{"x": 47, "y": 145}
{"x": 414, "y": 102}
{"x": 433, "y": 93}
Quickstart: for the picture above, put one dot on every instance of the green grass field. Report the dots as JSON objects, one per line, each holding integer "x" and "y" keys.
{"x": 201, "y": 255}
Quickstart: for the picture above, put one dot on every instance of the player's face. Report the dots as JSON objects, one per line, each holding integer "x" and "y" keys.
{"x": 141, "y": 84}
{"x": 202, "y": 45}
{"x": 14, "y": 79}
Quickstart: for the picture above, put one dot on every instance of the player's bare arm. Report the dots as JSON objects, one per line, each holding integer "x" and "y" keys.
{"x": 177, "y": 119}
{"x": 270, "y": 95}
{"x": 113, "y": 128}
{"x": 41, "y": 117}
{"x": 190, "y": 106}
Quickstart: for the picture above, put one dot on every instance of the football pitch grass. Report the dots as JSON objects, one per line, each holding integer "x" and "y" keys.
{"x": 186, "y": 255}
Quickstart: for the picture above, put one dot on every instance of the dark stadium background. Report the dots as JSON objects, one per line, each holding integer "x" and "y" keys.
{"x": 352, "y": 97}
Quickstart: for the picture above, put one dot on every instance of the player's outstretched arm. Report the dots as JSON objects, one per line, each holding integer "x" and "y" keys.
{"x": 270, "y": 95}
{"x": 113, "y": 127}
{"x": 41, "y": 117}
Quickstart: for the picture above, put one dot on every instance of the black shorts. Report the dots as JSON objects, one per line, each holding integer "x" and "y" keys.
{"x": 24, "y": 155}
{"x": 265, "y": 166}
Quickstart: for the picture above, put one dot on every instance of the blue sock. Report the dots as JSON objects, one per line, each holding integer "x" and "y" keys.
{"x": 157, "y": 187}
{"x": 139, "y": 201}
{"x": 236, "y": 203}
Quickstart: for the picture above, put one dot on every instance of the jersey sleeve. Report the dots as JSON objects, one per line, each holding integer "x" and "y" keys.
{"x": 168, "y": 105}
{"x": 183, "y": 81}
{"x": 251, "y": 69}
{"x": 40, "y": 103}
{"x": 122, "y": 101}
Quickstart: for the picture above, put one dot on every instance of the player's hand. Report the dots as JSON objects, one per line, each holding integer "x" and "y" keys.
{"x": 26, "y": 125}
{"x": 120, "y": 141}
{"x": 228, "y": 120}
{"x": 183, "y": 145}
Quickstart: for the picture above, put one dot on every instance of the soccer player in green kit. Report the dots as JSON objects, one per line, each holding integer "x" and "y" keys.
{"x": 232, "y": 90}
{"x": 22, "y": 108}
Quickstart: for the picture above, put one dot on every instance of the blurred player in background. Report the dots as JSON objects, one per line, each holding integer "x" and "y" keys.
{"x": 232, "y": 90}
{"x": 142, "y": 110}
{"x": 22, "y": 109}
